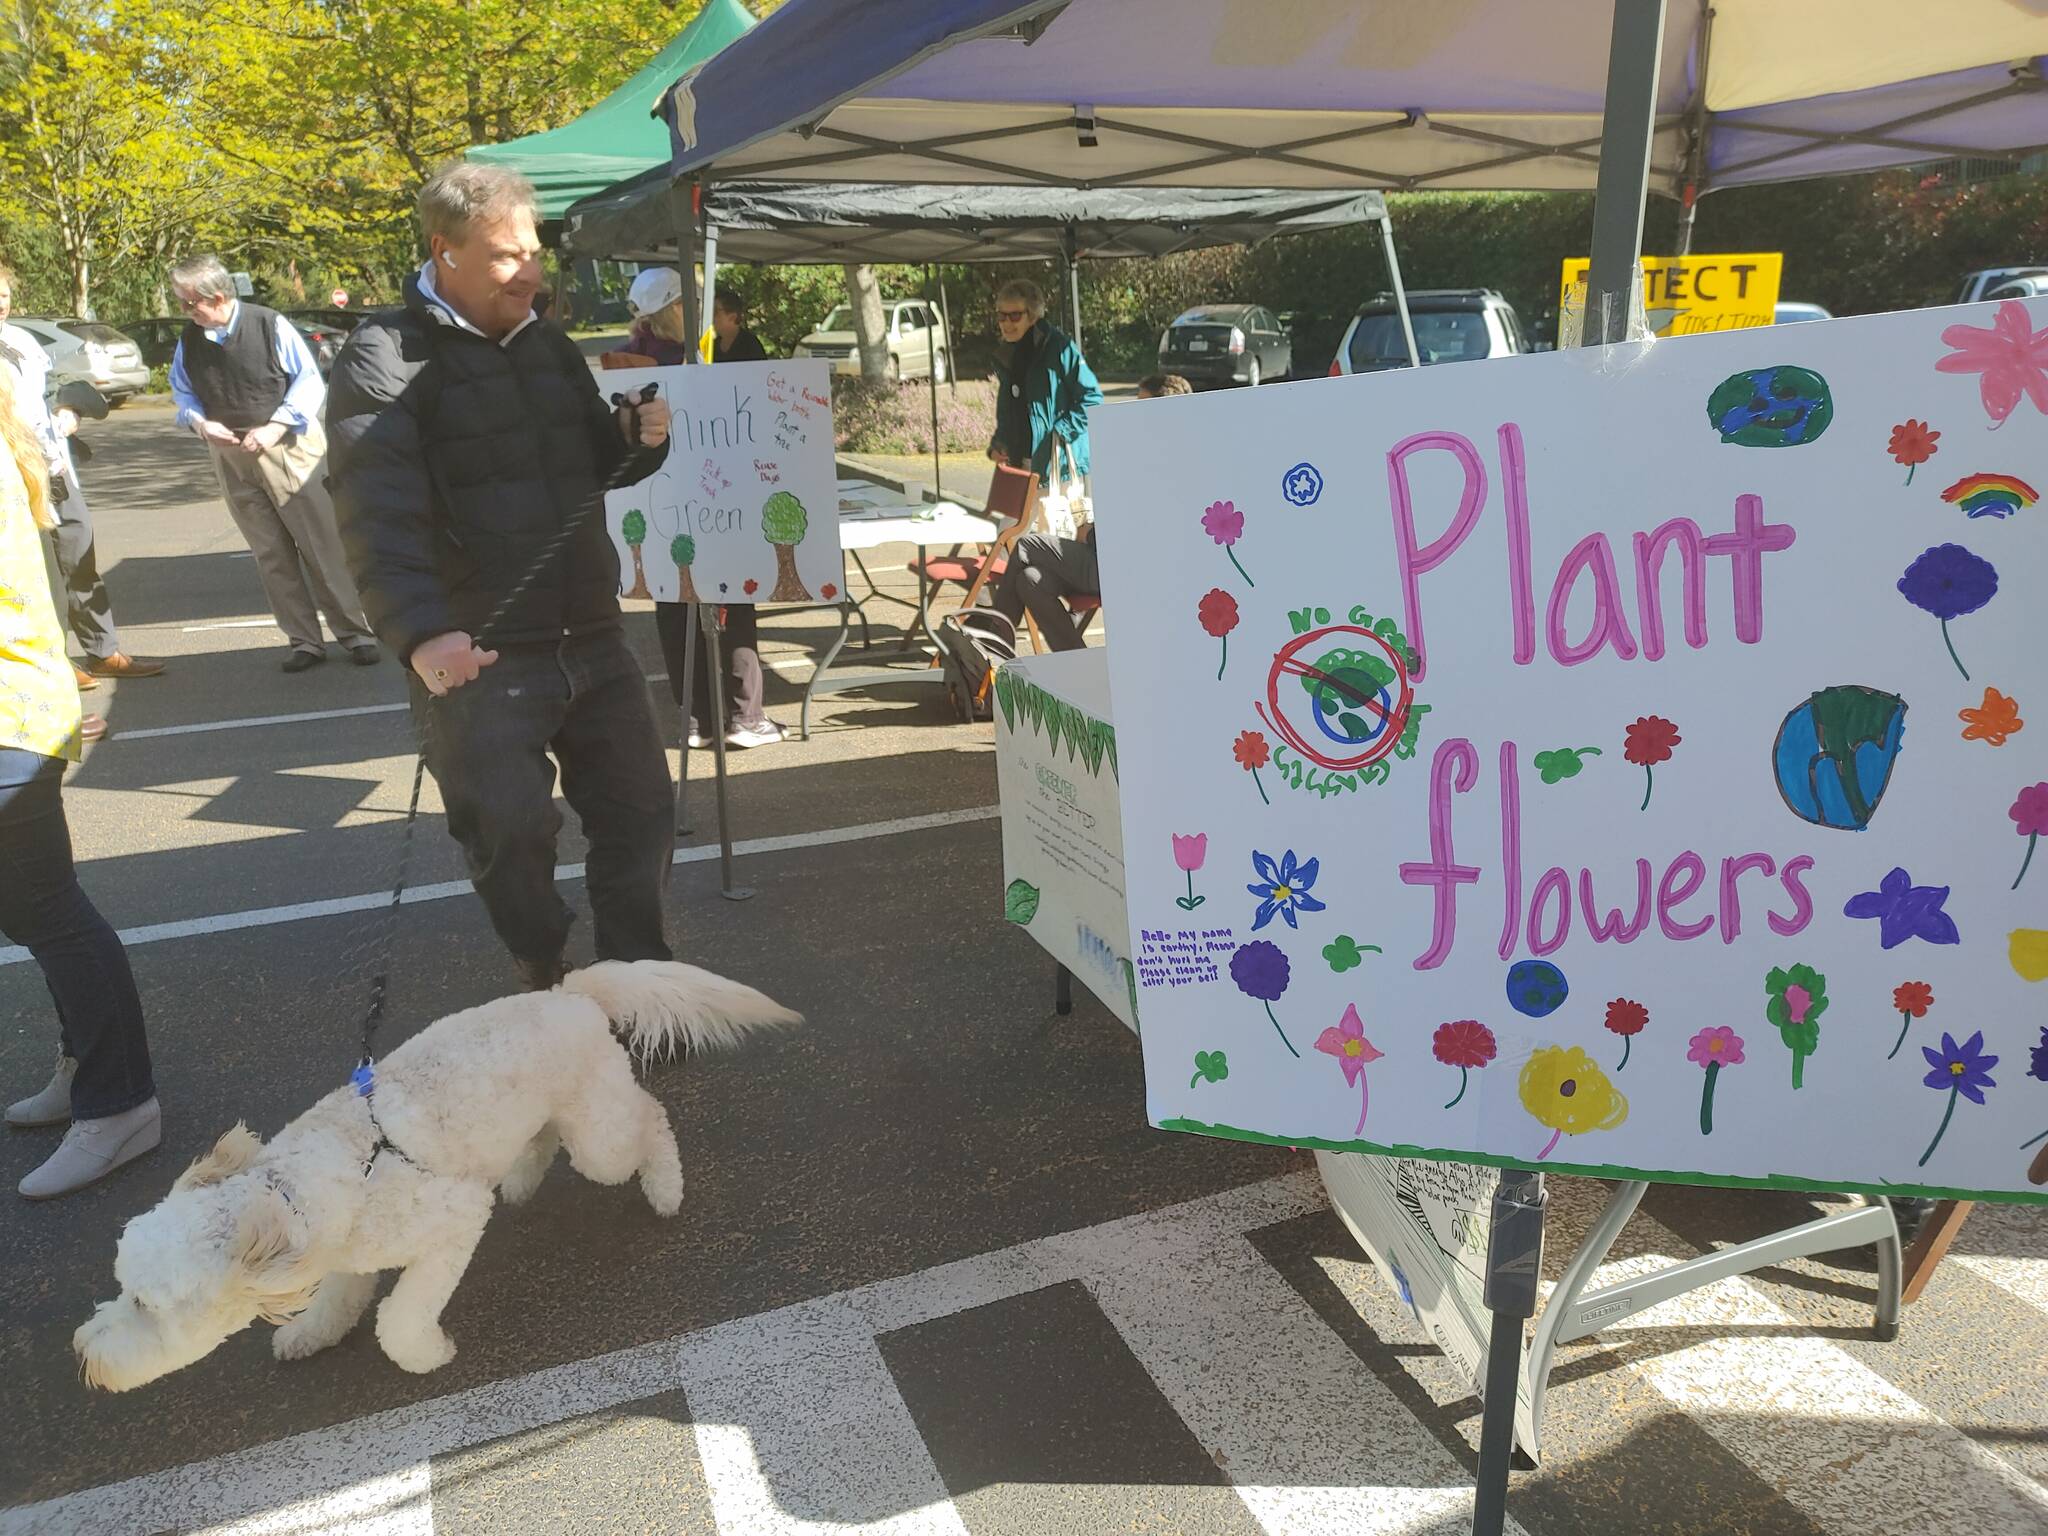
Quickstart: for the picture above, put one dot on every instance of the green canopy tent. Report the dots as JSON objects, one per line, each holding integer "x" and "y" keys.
{"x": 621, "y": 136}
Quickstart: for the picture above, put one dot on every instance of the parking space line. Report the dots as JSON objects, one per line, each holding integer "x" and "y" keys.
{"x": 304, "y": 911}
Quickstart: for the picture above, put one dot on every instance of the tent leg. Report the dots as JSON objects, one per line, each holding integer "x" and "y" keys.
{"x": 946, "y": 320}
{"x": 1629, "y": 123}
{"x": 932, "y": 373}
{"x": 1400, "y": 291}
{"x": 1074, "y": 290}
{"x": 710, "y": 279}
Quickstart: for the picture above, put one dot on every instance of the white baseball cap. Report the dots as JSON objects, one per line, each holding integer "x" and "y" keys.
{"x": 653, "y": 291}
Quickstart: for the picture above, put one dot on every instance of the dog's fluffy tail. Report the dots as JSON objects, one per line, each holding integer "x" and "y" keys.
{"x": 663, "y": 1007}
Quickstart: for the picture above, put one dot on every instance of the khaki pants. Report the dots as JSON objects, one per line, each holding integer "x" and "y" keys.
{"x": 282, "y": 507}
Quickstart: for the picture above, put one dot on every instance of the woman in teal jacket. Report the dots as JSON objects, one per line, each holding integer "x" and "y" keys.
{"x": 1044, "y": 386}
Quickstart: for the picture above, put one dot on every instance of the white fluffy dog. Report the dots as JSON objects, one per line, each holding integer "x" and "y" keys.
{"x": 294, "y": 1233}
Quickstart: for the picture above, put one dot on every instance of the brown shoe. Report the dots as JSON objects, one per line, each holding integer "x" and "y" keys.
{"x": 121, "y": 664}
{"x": 91, "y": 727}
{"x": 86, "y": 681}
{"x": 539, "y": 975}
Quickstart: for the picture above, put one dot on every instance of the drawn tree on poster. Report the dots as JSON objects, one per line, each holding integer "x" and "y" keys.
{"x": 634, "y": 528}
{"x": 784, "y": 524}
{"x": 683, "y": 550}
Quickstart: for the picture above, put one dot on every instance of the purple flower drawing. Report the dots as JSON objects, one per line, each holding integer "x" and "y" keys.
{"x": 1905, "y": 911}
{"x": 1283, "y": 888}
{"x": 1963, "y": 1070}
{"x": 1225, "y": 524}
{"x": 1949, "y": 581}
{"x": 1260, "y": 970}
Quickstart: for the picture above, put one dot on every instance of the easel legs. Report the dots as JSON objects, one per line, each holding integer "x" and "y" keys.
{"x": 1514, "y": 1264}
{"x": 707, "y": 621}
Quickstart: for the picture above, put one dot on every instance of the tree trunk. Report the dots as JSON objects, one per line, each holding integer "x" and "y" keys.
{"x": 686, "y": 586}
{"x": 866, "y": 296}
{"x": 639, "y": 574}
{"x": 789, "y": 587}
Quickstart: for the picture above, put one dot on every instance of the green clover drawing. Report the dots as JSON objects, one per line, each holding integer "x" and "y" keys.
{"x": 1020, "y": 902}
{"x": 1210, "y": 1067}
{"x": 1344, "y": 953}
{"x": 1564, "y": 763}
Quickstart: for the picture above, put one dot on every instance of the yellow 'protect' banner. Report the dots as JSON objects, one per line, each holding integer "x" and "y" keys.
{"x": 1687, "y": 294}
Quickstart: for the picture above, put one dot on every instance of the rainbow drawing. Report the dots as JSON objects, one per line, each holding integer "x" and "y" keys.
{"x": 1990, "y": 495}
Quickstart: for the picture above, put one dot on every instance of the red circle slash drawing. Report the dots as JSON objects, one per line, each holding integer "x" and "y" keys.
{"x": 1358, "y": 693}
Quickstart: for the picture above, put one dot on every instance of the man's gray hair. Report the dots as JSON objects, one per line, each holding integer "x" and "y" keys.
{"x": 461, "y": 195}
{"x": 1023, "y": 291}
{"x": 203, "y": 277}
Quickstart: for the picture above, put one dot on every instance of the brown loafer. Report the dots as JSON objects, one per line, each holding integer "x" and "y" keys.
{"x": 86, "y": 681}
{"x": 121, "y": 664}
{"x": 91, "y": 727}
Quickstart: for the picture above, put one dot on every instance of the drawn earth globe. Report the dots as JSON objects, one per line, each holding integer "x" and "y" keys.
{"x": 1835, "y": 753}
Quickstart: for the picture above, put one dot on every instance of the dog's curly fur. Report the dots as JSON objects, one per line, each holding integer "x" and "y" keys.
{"x": 293, "y": 1232}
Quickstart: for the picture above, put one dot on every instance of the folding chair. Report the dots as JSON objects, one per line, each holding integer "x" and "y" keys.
{"x": 1013, "y": 505}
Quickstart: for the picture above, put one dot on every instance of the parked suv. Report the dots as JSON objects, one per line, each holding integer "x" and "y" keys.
{"x": 1226, "y": 344}
{"x": 1452, "y": 325}
{"x": 90, "y": 352}
{"x": 916, "y": 336}
{"x": 1983, "y": 283}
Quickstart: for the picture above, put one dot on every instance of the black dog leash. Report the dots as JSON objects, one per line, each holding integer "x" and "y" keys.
{"x": 364, "y": 1078}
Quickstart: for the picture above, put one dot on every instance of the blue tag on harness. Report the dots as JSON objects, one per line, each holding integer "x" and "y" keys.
{"x": 365, "y": 1079}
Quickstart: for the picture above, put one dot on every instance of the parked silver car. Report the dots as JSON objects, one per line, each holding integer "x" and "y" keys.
{"x": 90, "y": 352}
{"x": 912, "y": 329}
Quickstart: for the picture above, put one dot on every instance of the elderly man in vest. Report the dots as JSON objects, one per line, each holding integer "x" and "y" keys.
{"x": 245, "y": 382}
{"x": 471, "y": 451}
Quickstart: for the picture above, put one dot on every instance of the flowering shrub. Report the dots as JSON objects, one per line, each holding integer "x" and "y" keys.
{"x": 897, "y": 418}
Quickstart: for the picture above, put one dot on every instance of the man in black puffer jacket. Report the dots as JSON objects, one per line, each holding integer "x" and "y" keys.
{"x": 463, "y": 434}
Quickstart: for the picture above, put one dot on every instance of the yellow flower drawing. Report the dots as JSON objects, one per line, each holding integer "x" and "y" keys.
{"x": 1566, "y": 1090}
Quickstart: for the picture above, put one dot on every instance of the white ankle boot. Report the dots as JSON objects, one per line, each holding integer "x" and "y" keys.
{"x": 92, "y": 1149}
{"x": 50, "y": 1107}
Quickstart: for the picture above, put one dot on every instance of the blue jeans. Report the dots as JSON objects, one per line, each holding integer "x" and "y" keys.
{"x": 584, "y": 699}
{"x": 42, "y": 908}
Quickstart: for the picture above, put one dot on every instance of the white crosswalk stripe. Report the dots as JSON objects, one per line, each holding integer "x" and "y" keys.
{"x": 800, "y": 1428}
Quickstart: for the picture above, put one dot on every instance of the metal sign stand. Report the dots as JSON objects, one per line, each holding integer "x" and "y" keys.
{"x": 1515, "y": 1249}
{"x": 684, "y": 207}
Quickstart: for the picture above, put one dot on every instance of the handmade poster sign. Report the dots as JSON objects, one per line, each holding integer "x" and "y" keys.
{"x": 1626, "y": 761}
{"x": 1063, "y": 858}
{"x": 745, "y": 510}
{"x": 1684, "y": 295}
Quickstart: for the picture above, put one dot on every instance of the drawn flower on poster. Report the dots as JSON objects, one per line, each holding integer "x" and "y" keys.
{"x": 1564, "y": 763}
{"x": 1536, "y": 988}
{"x": 1833, "y": 755}
{"x": 1798, "y": 997}
{"x": 1563, "y": 1088}
{"x": 1302, "y": 485}
{"x": 1252, "y": 753}
{"x": 1912, "y": 999}
{"x": 1994, "y": 722}
{"x": 1464, "y": 1044}
{"x": 1210, "y": 1067}
{"x": 1713, "y": 1048}
{"x": 1225, "y": 524}
{"x": 1949, "y": 581}
{"x": 1189, "y": 852}
{"x": 1345, "y": 953}
{"x": 1647, "y": 743}
{"x": 1913, "y": 444}
{"x": 1626, "y": 1018}
{"x": 1990, "y": 495}
{"x": 2037, "y": 1068}
{"x": 1218, "y": 613}
{"x": 2029, "y": 813}
{"x": 1905, "y": 911}
{"x": 2027, "y": 951}
{"x": 2009, "y": 357}
{"x": 1283, "y": 888}
{"x": 1260, "y": 970}
{"x": 1346, "y": 1041}
{"x": 1963, "y": 1070}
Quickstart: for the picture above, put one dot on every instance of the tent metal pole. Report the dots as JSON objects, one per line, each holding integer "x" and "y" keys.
{"x": 710, "y": 280}
{"x": 931, "y": 373}
{"x": 946, "y": 320}
{"x": 1073, "y": 285}
{"x": 1627, "y": 127}
{"x": 1696, "y": 133}
{"x": 1400, "y": 292}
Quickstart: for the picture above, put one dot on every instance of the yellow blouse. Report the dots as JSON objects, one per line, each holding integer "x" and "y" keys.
{"x": 39, "y": 709}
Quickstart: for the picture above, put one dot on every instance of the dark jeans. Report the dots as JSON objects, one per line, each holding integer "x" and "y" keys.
{"x": 99, "y": 1017}
{"x": 1042, "y": 572}
{"x": 585, "y": 700}
{"x": 80, "y": 593}
{"x": 742, "y": 646}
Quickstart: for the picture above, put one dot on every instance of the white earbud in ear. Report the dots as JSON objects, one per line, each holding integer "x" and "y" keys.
{"x": 448, "y": 257}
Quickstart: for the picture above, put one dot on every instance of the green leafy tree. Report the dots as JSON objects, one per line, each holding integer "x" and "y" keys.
{"x": 633, "y": 526}
{"x": 784, "y": 524}
{"x": 683, "y": 550}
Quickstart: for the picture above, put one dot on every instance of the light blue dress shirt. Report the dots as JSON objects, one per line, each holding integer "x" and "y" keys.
{"x": 303, "y": 397}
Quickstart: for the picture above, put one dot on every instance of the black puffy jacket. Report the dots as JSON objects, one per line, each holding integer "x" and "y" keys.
{"x": 454, "y": 460}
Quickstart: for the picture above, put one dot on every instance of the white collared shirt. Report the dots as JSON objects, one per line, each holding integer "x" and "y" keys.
{"x": 450, "y": 315}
